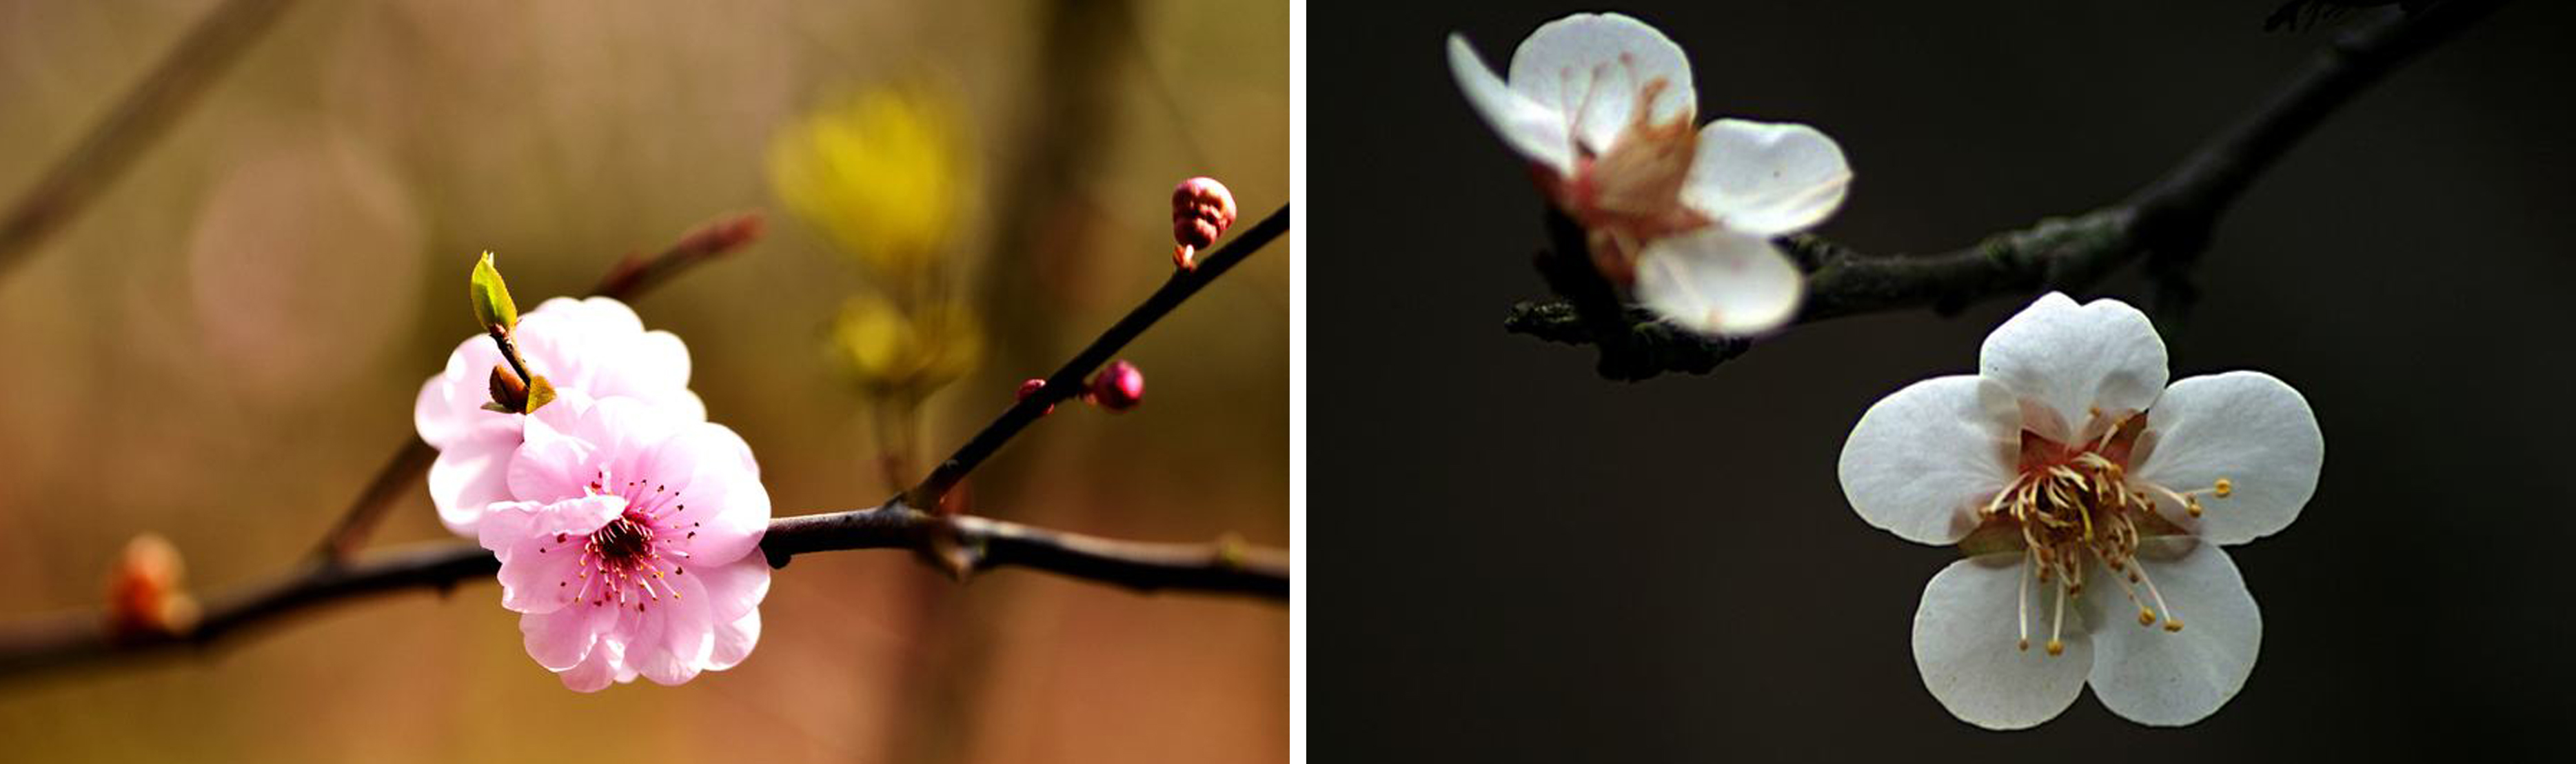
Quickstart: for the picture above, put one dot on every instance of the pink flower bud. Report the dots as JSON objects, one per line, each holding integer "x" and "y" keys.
{"x": 1032, "y": 387}
{"x": 144, "y": 596}
{"x": 1118, "y": 387}
{"x": 1201, "y": 211}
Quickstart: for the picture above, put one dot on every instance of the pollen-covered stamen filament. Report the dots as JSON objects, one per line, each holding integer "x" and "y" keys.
{"x": 2125, "y": 575}
{"x": 2172, "y": 623}
{"x": 2057, "y": 626}
{"x": 2190, "y": 500}
{"x": 628, "y": 552}
{"x": 2076, "y": 506}
{"x": 2021, "y": 603}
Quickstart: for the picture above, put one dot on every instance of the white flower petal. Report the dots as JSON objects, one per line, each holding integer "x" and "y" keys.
{"x": 551, "y": 465}
{"x": 734, "y": 588}
{"x": 598, "y": 667}
{"x": 1966, "y": 637}
{"x": 658, "y": 373}
{"x": 450, "y": 405}
{"x": 683, "y": 638}
{"x": 1535, "y": 131}
{"x": 566, "y": 637}
{"x": 1922, "y": 459}
{"x": 1593, "y": 68}
{"x": 1766, "y": 179}
{"x": 2247, "y": 427}
{"x": 2070, "y": 359}
{"x": 1718, "y": 282}
{"x": 470, "y": 475}
{"x": 2151, "y": 676}
{"x": 734, "y": 641}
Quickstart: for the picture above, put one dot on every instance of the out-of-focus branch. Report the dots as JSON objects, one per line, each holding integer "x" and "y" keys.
{"x": 963, "y": 545}
{"x": 138, "y": 119}
{"x": 637, "y": 273}
{"x": 632, "y": 276}
{"x": 1067, "y": 381}
{"x": 2168, "y": 223}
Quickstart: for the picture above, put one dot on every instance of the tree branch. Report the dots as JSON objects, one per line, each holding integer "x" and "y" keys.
{"x": 138, "y": 119}
{"x": 2169, "y": 223}
{"x": 1067, "y": 381}
{"x": 632, "y": 276}
{"x": 963, "y": 544}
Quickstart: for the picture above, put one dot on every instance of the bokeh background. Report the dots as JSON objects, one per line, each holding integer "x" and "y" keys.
{"x": 227, "y": 344}
{"x": 1518, "y": 561}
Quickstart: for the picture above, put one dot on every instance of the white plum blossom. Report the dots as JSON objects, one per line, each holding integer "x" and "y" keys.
{"x": 1602, "y": 106}
{"x": 2092, "y": 499}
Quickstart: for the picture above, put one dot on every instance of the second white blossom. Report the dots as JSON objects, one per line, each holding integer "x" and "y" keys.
{"x": 1602, "y": 106}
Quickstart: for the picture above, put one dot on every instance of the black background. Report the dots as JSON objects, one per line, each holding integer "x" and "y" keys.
{"x": 1514, "y": 560}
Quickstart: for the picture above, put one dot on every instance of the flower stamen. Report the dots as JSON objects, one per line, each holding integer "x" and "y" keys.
{"x": 2074, "y": 506}
{"x": 2021, "y": 602}
{"x": 2171, "y": 623}
{"x": 2057, "y": 626}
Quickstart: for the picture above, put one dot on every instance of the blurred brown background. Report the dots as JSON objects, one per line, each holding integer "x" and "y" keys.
{"x": 227, "y": 343}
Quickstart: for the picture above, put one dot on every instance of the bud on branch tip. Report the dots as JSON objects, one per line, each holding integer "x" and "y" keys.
{"x": 491, "y": 297}
{"x": 145, "y": 597}
{"x": 1201, "y": 211}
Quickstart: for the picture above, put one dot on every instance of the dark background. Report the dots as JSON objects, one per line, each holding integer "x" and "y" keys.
{"x": 1518, "y": 561}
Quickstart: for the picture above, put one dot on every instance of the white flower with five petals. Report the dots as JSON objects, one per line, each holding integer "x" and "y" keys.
{"x": 1602, "y": 106}
{"x": 2075, "y": 478}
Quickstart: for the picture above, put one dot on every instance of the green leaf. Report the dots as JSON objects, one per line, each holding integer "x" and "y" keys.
{"x": 540, "y": 393}
{"x": 491, "y": 297}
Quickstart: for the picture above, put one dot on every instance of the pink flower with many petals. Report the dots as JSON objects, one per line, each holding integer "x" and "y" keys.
{"x": 629, "y": 542}
{"x": 595, "y": 347}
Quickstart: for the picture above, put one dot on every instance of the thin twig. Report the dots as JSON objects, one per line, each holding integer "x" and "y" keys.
{"x": 2169, "y": 223}
{"x": 963, "y": 544}
{"x": 637, "y": 274}
{"x": 138, "y": 119}
{"x": 631, "y": 277}
{"x": 1067, "y": 381}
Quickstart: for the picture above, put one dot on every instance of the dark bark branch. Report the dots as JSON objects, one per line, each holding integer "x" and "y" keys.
{"x": 963, "y": 545}
{"x": 632, "y": 277}
{"x": 1067, "y": 381}
{"x": 2169, "y": 223}
{"x": 138, "y": 119}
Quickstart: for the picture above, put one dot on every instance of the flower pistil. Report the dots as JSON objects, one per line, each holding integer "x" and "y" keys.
{"x": 628, "y": 552}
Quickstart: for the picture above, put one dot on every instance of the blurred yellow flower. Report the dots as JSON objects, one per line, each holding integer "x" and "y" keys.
{"x": 882, "y": 174}
{"x": 889, "y": 352}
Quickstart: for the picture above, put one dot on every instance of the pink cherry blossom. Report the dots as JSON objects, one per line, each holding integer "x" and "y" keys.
{"x": 629, "y": 543}
{"x": 596, "y": 347}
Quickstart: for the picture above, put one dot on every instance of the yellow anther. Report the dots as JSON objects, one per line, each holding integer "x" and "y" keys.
{"x": 2224, "y": 487}
{"x": 2056, "y": 647}
{"x": 2145, "y": 617}
{"x": 2191, "y": 504}
{"x": 2173, "y": 624}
